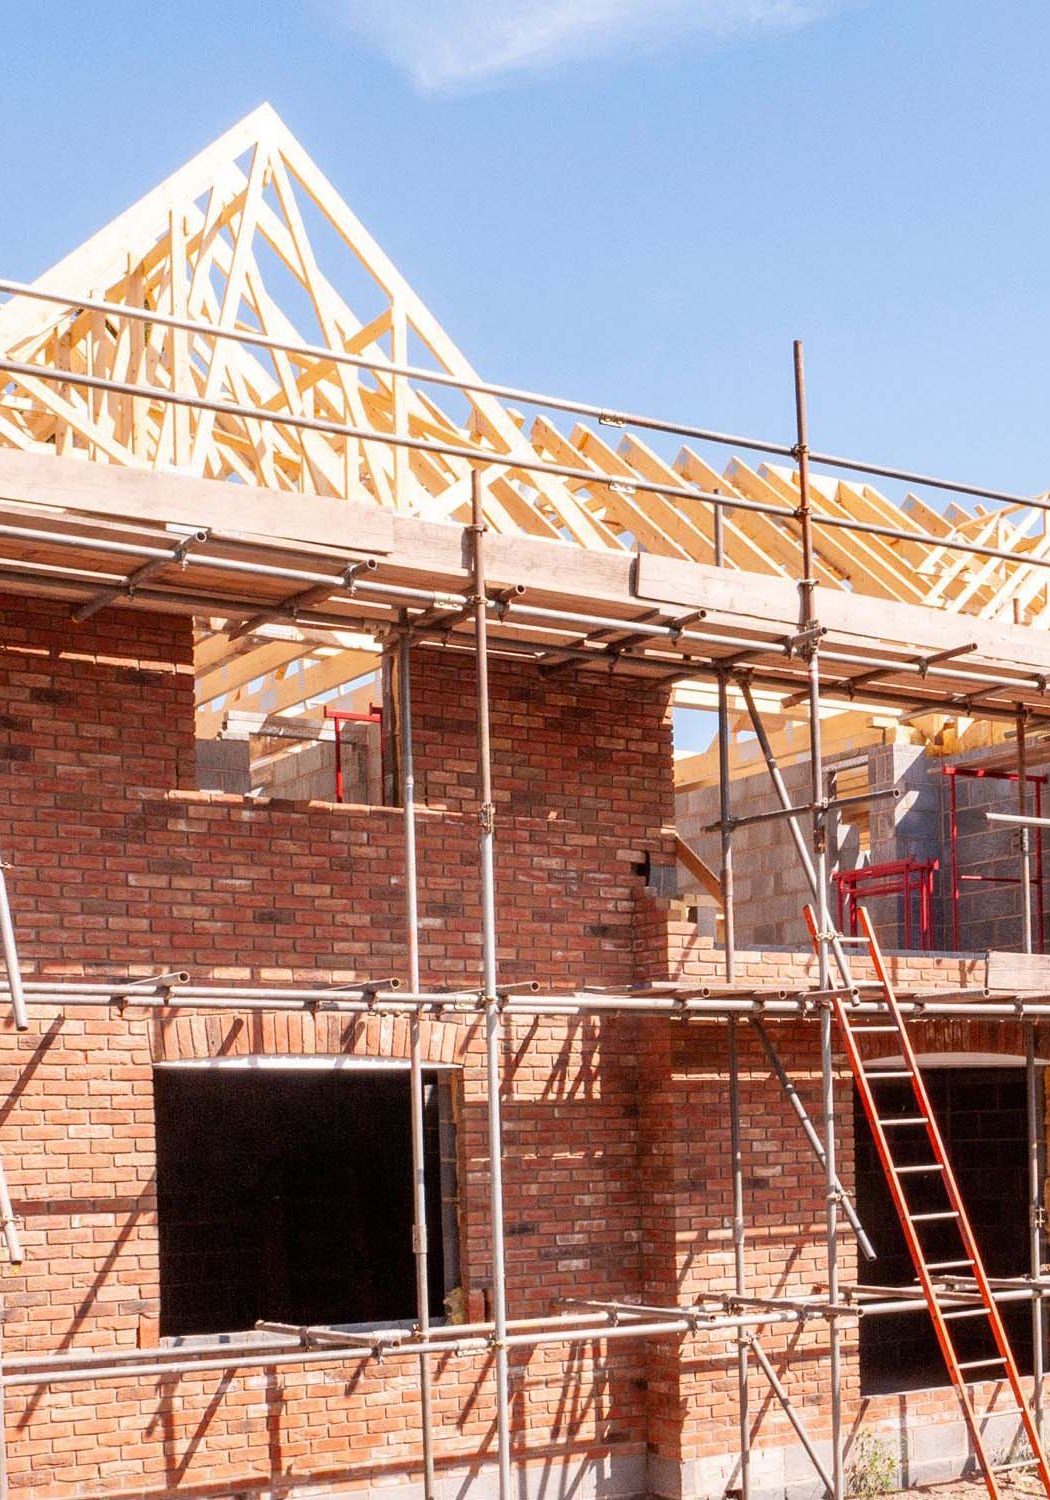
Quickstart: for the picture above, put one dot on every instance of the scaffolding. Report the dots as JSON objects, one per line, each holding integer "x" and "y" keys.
{"x": 248, "y": 580}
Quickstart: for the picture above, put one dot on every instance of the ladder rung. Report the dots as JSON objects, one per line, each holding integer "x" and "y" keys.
{"x": 888, "y": 1073}
{"x": 1000, "y": 1411}
{"x": 983, "y": 1364}
{"x": 886, "y": 1029}
{"x": 966, "y": 1312}
{"x": 1018, "y": 1463}
{"x": 947, "y": 1213}
{"x": 933, "y": 1166}
{"x": 947, "y": 1265}
{"x": 904, "y": 1120}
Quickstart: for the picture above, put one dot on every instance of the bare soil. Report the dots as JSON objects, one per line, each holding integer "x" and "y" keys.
{"x": 1024, "y": 1483}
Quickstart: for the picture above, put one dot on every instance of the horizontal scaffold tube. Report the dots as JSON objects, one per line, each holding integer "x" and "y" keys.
{"x": 674, "y": 662}
{"x": 777, "y": 1007}
{"x": 517, "y": 461}
{"x": 609, "y": 416}
{"x": 67, "y": 1366}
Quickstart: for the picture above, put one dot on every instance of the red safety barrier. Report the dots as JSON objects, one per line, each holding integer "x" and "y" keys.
{"x": 910, "y": 878}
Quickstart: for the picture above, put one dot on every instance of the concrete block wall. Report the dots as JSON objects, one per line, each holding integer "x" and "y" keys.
{"x": 989, "y": 912}
{"x": 224, "y": 766}
{"x": 305, "y": 772}
{"x": 770, "y": 885}
{"x": 907, "y": 828}
{"x": 771, "y": 888}
{"x": 118, "y": 864}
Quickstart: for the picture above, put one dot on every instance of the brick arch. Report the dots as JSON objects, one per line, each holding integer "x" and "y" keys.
{"x": 188, "y": 1037}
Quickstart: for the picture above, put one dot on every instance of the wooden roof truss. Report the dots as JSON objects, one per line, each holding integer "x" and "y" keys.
{"x": 250, "y": 238}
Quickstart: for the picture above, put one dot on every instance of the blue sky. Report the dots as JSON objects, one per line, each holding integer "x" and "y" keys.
{"x": 637, "y": 201}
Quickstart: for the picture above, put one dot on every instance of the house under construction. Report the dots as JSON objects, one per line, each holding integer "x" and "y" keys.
{"x": 406, "y": 1086}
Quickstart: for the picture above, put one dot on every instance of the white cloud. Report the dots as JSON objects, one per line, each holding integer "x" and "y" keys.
{"x": 453, "y": 45}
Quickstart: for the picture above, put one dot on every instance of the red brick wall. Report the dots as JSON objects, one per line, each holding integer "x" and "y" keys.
{"x": 595, "y": 750}
{"x": 118, "y": 865}
{"x": 616, "y": 1130}
{"x": 688, "y": 1227}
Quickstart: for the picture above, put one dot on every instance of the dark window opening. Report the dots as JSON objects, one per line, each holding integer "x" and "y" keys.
{"x": 286, "y": 1194}
{"x": 982, "y": 1116}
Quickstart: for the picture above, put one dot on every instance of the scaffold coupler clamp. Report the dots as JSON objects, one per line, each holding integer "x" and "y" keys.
{"x": 354, "y": 570}
{"x": 809, "y": 635}
{"x": 487, "y": 817}
{"x": 677, "y": 627}
{"x": 819, "y": 1003}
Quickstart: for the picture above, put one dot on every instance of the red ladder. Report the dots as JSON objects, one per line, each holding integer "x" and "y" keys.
{"x": 968, "y": 1264}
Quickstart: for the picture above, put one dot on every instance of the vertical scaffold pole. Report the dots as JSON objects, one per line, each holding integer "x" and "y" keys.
{"x": 419, "y": 1190}
{"x": 1035, "y": 1219}
{"x": 827, "y": 1073}
{"x": 3, "y": 1411}
{"x": 739, "y": 1261}
{"x": 1024, "y": 834}
{"x": 10, "y": 952}
{"x": 493, "y": 1016}
{"x": 726, "y": 831}
{"x": 808, "y": 629}
{"x": 724, "y": 809}
{"x": 1035, "y": 1174}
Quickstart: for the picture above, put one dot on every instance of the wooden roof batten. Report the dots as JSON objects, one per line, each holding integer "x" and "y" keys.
{"x": 199, "y": 367}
